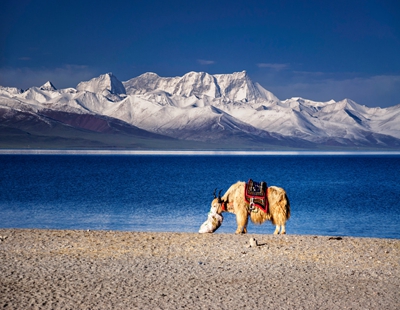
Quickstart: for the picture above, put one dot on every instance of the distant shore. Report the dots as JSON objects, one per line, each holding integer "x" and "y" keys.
{"x": 78, "y": 269}
{"x": 185, "y": 152}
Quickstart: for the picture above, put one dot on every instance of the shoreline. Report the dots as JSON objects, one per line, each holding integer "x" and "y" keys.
{"x": 57, "y": 269}
{"x": 195, "y": 152}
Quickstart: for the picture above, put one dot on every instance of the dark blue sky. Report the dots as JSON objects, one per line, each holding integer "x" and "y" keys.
{"x": 318, "y": 50}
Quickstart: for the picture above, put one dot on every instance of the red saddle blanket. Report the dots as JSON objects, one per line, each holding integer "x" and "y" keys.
{"x": 255, "y": 193}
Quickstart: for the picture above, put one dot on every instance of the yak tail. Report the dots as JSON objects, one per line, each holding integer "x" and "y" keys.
{"x": 285, "y": 206}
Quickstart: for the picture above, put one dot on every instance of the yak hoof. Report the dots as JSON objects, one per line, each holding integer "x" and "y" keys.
{"x": 241, "y": 230}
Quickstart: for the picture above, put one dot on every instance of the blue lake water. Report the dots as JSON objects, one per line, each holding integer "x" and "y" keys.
{"x": 346, "y": 195}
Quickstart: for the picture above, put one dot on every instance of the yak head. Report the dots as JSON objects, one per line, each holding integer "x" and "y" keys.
{"x": 217, "y": 203}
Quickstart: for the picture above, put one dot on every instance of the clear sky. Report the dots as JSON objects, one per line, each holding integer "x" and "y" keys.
{"x": 318, "y": 50}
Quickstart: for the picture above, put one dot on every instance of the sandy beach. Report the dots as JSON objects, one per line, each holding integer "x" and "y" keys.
{"x": 72, "y": 269}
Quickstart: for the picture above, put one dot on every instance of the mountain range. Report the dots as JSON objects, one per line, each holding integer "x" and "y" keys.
{"x": 195, "y": 111}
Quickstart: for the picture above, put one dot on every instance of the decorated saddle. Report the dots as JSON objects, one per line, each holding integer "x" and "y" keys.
{"x": 255, "y": 193}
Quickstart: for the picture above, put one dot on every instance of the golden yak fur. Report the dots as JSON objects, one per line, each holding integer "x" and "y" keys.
{"x": 234, "y": 202}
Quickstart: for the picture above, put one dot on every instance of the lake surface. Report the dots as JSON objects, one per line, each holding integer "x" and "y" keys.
{"x": 345, "y": 195}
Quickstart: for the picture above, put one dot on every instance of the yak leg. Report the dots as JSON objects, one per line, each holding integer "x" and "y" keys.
{"x": 282, "y": 228}
{"x": 241, "y": 220}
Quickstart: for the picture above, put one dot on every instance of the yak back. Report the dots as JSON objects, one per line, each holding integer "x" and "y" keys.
{"x": 279, "y": 206}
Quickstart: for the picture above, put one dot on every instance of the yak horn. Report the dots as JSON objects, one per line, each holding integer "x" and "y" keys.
{"x": 219, "y": 196}
{"x": 215, "y": 190}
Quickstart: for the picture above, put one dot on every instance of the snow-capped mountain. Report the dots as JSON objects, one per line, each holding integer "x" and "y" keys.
{"x": 48, "y": 86}
{"x": 236, "y": 87}
{"x": 224, "y": 109}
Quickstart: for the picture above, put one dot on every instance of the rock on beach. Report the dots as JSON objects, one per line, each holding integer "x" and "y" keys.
{"x": 80, "y": 269}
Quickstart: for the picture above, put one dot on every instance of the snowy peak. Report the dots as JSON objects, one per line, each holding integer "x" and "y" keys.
{"x": 265, "y": 94}
{"x": 48, "y": 86}
{"x": 10, "y": 91}
{"x": 197, "y": 84}
{"x": 146, "y": 82}
{"x": 301, "y": 102}
{"x": 231, "y": 87}
{"x": 106, "y": 82}
{"x": 345, "y": 104}
{"x": 239, "y": 87}
{"x": 191, "y": 84}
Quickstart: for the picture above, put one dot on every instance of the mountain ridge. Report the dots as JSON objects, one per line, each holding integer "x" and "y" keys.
{"x": 219, "y": 109}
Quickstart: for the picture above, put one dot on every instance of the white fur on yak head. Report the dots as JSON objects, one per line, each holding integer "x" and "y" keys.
{"x": 233, "y": 201}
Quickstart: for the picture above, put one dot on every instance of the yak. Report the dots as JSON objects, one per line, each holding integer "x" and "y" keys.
{"x": 233, "y": 201}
